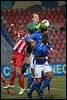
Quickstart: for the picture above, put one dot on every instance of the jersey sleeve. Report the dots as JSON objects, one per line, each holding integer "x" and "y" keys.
{"x": 26, "y": 39}
{"x": 31, "y": 36}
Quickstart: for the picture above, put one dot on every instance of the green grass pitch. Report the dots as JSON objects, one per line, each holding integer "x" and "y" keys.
{"x": 58, "y": 90}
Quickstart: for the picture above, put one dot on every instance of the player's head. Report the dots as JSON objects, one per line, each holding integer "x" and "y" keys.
{"x": 22, "y": 30}
{"x": 35, "y": 17}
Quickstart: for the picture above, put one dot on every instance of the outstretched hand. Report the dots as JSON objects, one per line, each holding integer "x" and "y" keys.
{"x": 11, "y": 27}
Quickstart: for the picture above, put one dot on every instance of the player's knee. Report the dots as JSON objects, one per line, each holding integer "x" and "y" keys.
{"x": 49, "y": 75}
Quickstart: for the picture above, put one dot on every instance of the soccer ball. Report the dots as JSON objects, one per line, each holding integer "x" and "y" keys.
{"x": 46, "y": 23}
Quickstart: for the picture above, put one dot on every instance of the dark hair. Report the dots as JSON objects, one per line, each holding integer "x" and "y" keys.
{"x": 34, "y": 14}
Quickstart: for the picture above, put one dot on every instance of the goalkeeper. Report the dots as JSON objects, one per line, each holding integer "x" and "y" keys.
{"x": 31, "y": 28}
{"x": 34, "y": 26}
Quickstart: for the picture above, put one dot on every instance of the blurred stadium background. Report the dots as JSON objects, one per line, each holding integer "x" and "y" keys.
{"x": 19, "y": 12}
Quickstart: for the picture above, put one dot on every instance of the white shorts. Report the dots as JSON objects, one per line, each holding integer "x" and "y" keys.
{"x": 41, "y": 68}
{"x": 31, "y": 60}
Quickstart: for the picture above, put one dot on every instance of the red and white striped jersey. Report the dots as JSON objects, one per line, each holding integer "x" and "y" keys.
{"x": 20, "y": 45}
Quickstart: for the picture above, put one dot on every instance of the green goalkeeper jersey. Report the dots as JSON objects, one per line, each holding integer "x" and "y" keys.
{"x": 32, "y": 27}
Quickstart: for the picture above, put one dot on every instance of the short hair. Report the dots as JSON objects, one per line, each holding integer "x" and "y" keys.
{"x": 34, "y": 14}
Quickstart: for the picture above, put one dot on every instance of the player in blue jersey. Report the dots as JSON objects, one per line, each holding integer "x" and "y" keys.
{"x": 41, "y": 65}
{"x": 41, "y": 58}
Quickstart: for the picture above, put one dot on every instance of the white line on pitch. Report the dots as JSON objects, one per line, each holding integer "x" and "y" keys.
{"x": 58, "y": 89}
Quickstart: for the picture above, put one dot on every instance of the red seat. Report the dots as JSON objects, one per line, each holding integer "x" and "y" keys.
{"x": 63, "y": 60}
{"x": 58, "y": 60}
{"x": 10, "y": 21}
{"x": 52, "y": 60}
{"x": 57, "y": 46}
{"x": 64, "y": 42}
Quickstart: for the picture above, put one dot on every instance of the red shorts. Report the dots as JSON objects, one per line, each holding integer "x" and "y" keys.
{"x": 17, "y": 59}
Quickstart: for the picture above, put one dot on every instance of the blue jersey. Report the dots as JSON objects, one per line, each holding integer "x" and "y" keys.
{"x": 41, "y": 50}
{"x": 36, "y": 36}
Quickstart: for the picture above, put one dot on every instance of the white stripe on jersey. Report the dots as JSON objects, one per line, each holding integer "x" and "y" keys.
{"x": 21, "y": 47}
{"x": 20, "y": 44}
{"x": 17, "y": 45}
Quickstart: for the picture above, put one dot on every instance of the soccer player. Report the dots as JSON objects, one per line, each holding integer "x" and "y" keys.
{"x": 17, "y": 57}
{"x": 41, "y": 64}
{"x": 41, "y": 56}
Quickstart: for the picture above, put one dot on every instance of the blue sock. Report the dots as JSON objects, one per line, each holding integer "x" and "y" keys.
{"x": 45, "y": 83}
{"x": 29, "y": 81}
{"x": 34, "y": 85}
